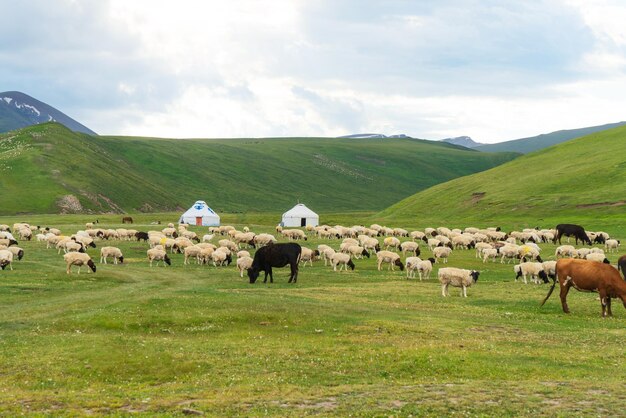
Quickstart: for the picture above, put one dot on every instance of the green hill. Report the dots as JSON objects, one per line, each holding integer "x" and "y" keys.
{"x": 49, "y": 169}
{"x": 583, "y": 178}
{"x": 534, "y": 143}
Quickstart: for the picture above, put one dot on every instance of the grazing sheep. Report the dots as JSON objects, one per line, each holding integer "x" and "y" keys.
{"x": 466, "y": 242}
{"x": 510, "y": 252}
{"x": 611, "y": 245}
{"x": 170, "y": 232}
{"x": 529, "y": 251}
{"x": 264, "y": 239}
{"x": 7, "y": 242}
{"x": 192, "y": 251}
{"x": 358, "y": 251}
{"x": 480, "y": 246}
{"x": 243, "y": 253}
{"x": 226, "y": 243}
{"x": 457, "y": 278}
{"x": 6, "y": 259}
{"x": 156, "y": 254}
{"x": 343, "y": 259}
{"x": 116, "y": 253}
{"x": 243, "y": 264}
{"x": 565, "y": 251}
{"x": 244, "y": 238}
{"x": 425, "y": 267}
{"x": 371, "y": 244}
{"x": 207, "y": 237}
{"x": 392, "y": 242}
{"x": 550, "y": 268}
{"x": 534, "y": 270}
{"x": 490, "y": 253}
{"x": 598, "y": 257}
{"x": 417, "y": 235}
{"x": 442, "y": 252}
{"x": 221, "y": 257}
{"x": 308, "y": 255}
{"x": 327, "y": 254}
{"x": 411, "y": 264}
{"x": 389, "y": 257}
{"x": 78, "y": 259}
{"x": 433, "y": 243}
{"x": 17, "y": 252}
{"x": 410, "y": 246}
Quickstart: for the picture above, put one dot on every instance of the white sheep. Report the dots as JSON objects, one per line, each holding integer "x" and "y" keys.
{"x": 457, "y": 278}
{"x": 371, "y": 244}
{"x": 599, "y": 257}
{"x": 529, "y": 251}
{"x": 243, "y": 253}
{"x": 392, "y": 242}
{"x": 343, "y": 259}
{"x": 244, "y": 263}
{"x": 565, "y": 251}
{"x": 308, "y": 255}
{"x": 442, "y": 252}
{"x": 6, "y": 259}
{"x": 433, "y": 243}
{"x": 116, "y": 253}
{"x": 157, "y": 254}
{"x": 611, "y": 245}
{"x": 327, "y": 254}
{"x": 389, "y": 257}
{"x": 425, "y": 267}
{"x": 490, "y": 253}
{"x": 534, "y": 270}
{"x": 550, "y": 268}
{"x": 78, "y": 259}
{"x": 264, "y": 239}
{"x": 510, "y": 252}
{"x": 358, "y": 252}
{"x": 220, "y": 257}
{"x": 192, "y": 251}
{"x": 411, "y": 264}
{"x": 207, "y": 237}
{"x": 410, "y": 246}
{"x": 480, "y": 246}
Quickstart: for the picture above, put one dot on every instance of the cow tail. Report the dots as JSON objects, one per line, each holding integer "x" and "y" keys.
{"x": 549, "y": 291}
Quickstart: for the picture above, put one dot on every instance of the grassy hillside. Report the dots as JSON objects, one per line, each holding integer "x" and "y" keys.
{"x": 42, "y": 164}
{"x": 580, "y": 179}
{"x": 534, "y": 143}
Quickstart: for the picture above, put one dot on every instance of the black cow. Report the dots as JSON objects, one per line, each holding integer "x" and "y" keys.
{"x": 275, "y": 255}
{"x": 571, "y": 230}
{"x": 141, "y": 236}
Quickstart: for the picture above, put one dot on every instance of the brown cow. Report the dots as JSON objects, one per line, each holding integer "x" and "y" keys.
{"x": 621, "y": 265}
{"x": 589, "y": 276}
{"x": 127, "y": 220}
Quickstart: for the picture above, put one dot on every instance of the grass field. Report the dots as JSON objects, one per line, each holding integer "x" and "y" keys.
{"x": 134, "y": 340}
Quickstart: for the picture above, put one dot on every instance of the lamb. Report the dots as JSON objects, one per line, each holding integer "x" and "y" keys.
{"x": 17, "y": 252}
{"x": 244, "y": 263}
{"x": 343, "y": 259}
{"x": 565, "y": 251}
{"x": 490, "y": 253}
{"x": 6, "y": 259}
{"x": 116, "y": 253}
{"x": 410, "y": 246}
{"x": 457, "y": 278}
{"x": 442, "y": 252}
{"x": 480, "y": 246}
{"x": 510, "y": 252}
{"x": 534, "y": 270}
{"x": 389, "y": 257}
{"x": 425, "y": 267}
{"x": 358, "y": 251}
{"x": 156, "y": 254}
{"x": 221, "y": 257}
{"x": 392, "y": 242}
{"x": 207, "y": 237}
{"x": 78, "y": 259}
{"x": 411, "y": 264}
{"x": 611, "y": 245}
{"x": 550, "y": 268}
{"x": 192, "y": 251}
{"x": 308, "y": 255}
{"x": 599, "y": 257}
{"x": 243, "y": 253}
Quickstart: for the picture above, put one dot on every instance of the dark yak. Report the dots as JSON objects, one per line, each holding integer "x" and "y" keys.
{"x": 571, "y": 230}
{"x": 275, "y": 255}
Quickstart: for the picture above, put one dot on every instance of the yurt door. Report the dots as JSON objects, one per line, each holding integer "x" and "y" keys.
{"x": 302, "y": 221}
{"x": 198, "y": 220}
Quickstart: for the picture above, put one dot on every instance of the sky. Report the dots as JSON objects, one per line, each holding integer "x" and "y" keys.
{"x": 492, "y": 70}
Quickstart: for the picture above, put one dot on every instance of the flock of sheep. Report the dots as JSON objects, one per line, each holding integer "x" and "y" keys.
{"x": 389, "y": 245}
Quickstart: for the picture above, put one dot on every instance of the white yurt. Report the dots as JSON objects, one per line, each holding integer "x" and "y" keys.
{"x": 300, "y": 215}
{"x": 200, "y": 214}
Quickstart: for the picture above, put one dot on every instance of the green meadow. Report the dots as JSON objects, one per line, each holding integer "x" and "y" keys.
{"x": 171, "y": 341}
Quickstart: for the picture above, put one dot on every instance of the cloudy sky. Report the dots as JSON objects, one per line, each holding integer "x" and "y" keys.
{"x": 494, "y": 70}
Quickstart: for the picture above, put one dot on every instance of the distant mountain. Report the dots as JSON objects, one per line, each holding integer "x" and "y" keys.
{"x": 374, "y": 136}
{"x": 533, "y": 143}
{"x": 464, "y": 141}
{"x": 19, "y": 110}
